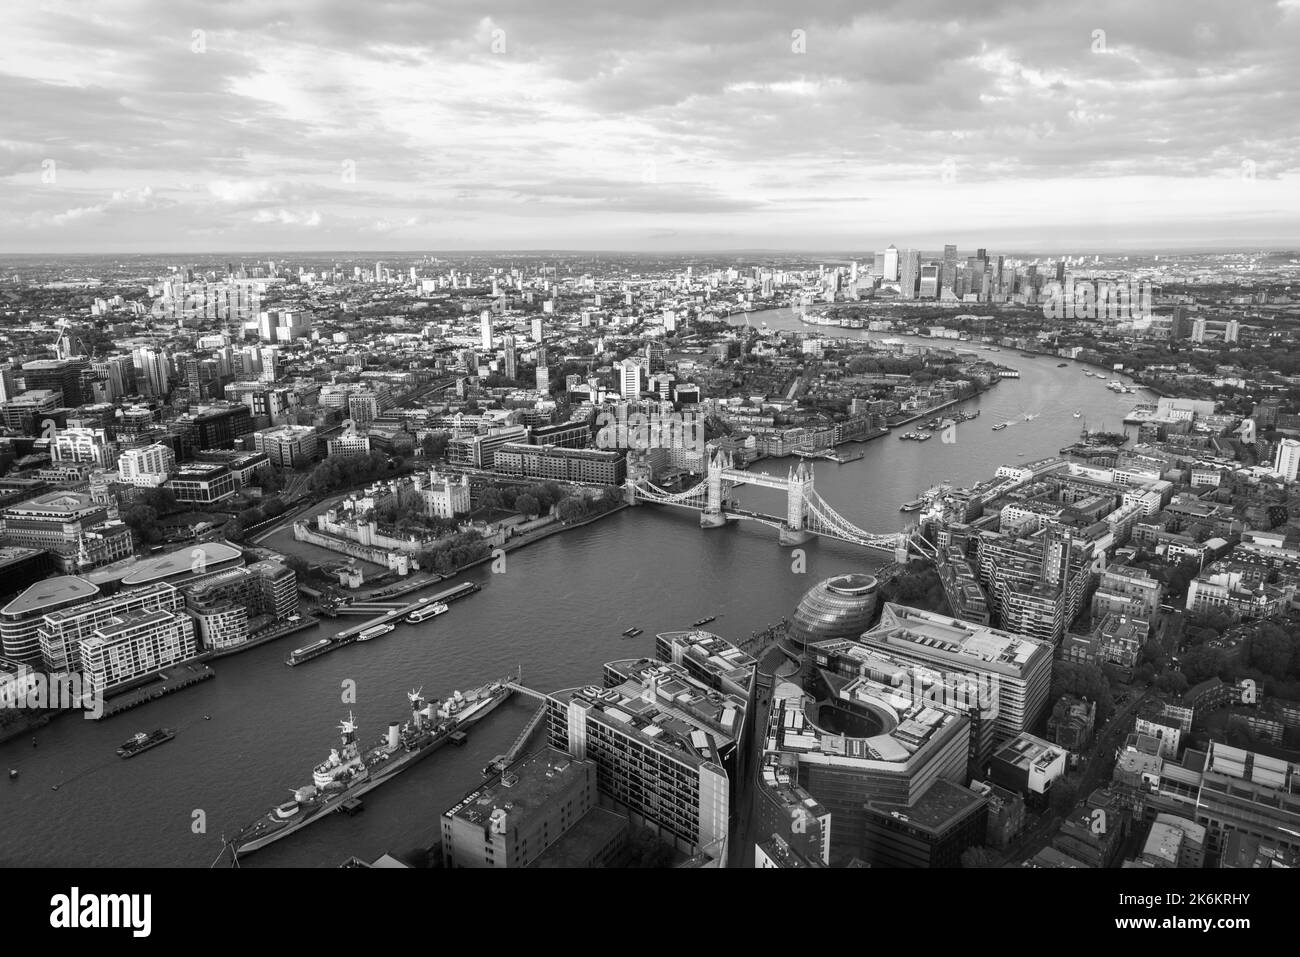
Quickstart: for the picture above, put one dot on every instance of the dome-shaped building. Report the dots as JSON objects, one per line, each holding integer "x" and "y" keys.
{"x": 839, "y": 607}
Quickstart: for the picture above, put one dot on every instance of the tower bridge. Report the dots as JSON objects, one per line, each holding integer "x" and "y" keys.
{"x": 806, "y": 514}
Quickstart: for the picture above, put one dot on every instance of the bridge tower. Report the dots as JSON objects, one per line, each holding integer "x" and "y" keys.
{"x": 900, "y": 549}
{"x": 795, "y": 531}
{"x": 711, "y": 515}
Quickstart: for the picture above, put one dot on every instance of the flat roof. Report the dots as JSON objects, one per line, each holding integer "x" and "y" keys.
{"x": 592, "y": 832}
{"x": 181, "y": 561}
{"x": 526, "y": 786}
{"x": 52, "y": 591}
{"x": 942, "y": 803}
{"x": 962, "y": 643}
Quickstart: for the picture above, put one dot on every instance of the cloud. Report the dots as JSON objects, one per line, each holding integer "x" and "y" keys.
{"x": 287, "y": 217}
{"x": 446, "y": 125}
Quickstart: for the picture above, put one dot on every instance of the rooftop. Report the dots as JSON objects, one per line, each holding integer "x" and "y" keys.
{"x": 521, "y": 789}
{"x": 941, "y": 804}
{"x": 57, "y": 591}
{"x": 183, "y": 561}
{"x": 662, "y": 705}
{"x": 961, "y": 643}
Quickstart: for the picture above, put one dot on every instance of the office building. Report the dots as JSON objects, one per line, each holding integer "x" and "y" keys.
{"x": 890, "y": 264}
{"x": 83, "y": 445}
{"x": 287, "y": 446}
{"x": 909, "y": 273}
{"x": 932, "y": 831}
{"x": 146, "y": 467}
{"x": 513, "y": 819}
{"x": 631, "y": 377}
{"x": 21, "y": 618}
{"x": 58, "y": 375}
{"x": 184, "y": 564}
{"x": 1018, "y": 668}
{"x": 479, "y": 451}
{"x": 665, "y": 746}
{"x": 859, "y": 740}
{"x": 72, "y": 526}
{"x": 348, "y": 445}
{"x": 212, "y": 427}
{"x": 203, "y": 482}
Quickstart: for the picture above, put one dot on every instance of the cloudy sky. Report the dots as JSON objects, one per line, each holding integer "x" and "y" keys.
{"x": 168, "y": 125}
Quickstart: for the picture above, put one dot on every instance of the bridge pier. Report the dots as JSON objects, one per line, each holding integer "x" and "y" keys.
{"x": 712, "y": 519}
{"x": 794, "y": 536}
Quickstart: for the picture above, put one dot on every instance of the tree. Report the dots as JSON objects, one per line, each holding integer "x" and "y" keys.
{"x": 1063, "y": 796}
{"x": 434, "y": 444}
{"x": 143, "y": 521}
{"x": 527, "y": 504}
{"x": 1083, "y": 681}
{"x": 491, "y": 499}
{"x": 1173, "y": 682}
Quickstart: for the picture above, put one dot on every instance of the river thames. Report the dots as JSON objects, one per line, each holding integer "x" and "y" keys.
{"x": 557, "y": 611}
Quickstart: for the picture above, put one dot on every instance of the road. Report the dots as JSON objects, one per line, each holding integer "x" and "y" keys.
{"x": 1039, "y": 836}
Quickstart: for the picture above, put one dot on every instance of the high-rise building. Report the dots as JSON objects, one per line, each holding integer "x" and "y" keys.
{"x": 909, "y": 273}
{"x": 948, "y": 279}
{"x": 8, "y": 385}
{"x": 665, "y": 745}
{"x": 57, "y": 375}
{"x": 1287, "y": 461}
{"x": 631, "y": 374}
{"x": 485, "y": 329}
{"x": 146, "y": 467}
{"x": 929, "y": 288}
{"x": 890, "y": 264}
{"x": 508, "y": 345}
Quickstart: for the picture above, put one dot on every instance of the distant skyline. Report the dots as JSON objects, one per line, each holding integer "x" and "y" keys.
{"x": 187, "y": 127}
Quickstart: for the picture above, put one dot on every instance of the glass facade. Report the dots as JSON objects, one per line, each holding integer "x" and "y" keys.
{"x": 839, "y": 607}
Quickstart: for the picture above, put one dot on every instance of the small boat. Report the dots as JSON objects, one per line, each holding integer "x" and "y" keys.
{"x": 141, "y": 742}
{"x": 913, "y": 506}
{"x": 705, "y": 621}
{"x": 635, "y": 632}
{"x": 629, "y": 632}
{"x": 207, "y": 717}
{"x": 13, "y": 773}
{"x": 999, "y": 427}
{"x": 1077, "y": 413}
{"x": 1062, "y": 365}
{"x": 924, "y": 436}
